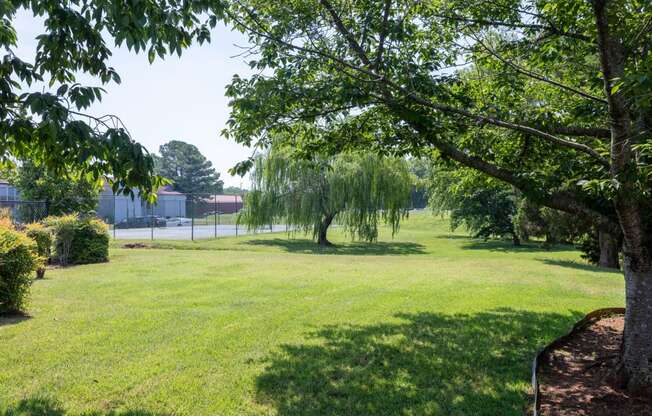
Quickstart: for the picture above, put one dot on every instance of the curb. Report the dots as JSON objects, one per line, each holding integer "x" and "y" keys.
{"x": 589, "y": 319}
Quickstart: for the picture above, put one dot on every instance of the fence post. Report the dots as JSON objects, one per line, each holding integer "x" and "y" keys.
{"x": 235, "y": 210}
{"x": 151, "y": 221}
{"x": 114, "y": 216}
{"x": 192, "y": 219}
{"x": 215, "y": 213}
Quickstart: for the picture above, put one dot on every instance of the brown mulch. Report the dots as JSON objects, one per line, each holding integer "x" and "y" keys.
{"x": 574, "y": 377}
{"x": 135, "y": 245}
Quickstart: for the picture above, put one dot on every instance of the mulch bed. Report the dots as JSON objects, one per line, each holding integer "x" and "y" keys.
{"x": 572, "y": 377}
{"x": 135, "y": 245}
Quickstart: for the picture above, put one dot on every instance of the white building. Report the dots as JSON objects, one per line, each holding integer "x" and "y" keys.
{"x": 120, "y": 207}
{"x": 170, "y": 203}
{"x": 8, "y": 192}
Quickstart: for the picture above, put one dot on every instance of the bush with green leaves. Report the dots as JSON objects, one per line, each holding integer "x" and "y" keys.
{"x": 18, "y": 260}
{"x": 42, "y": 236}
{"x": 90, "y": 243}
{"x": 481, "y": 205}
{"x": 79, "y": 239}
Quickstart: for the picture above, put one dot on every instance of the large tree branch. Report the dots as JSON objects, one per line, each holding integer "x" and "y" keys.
{"x": 263, "y": 33}
{"x": 563, "y": 201}
{"x": 612, "y": 59}
{"x": 612, "y": 64}
{"x": 537, "y": 76}
{"x": 357, "y": 49}
{"x": 339, "y": 24}
{"x": 383, "y": 34}
{"x": 560, "y": 200}
{"x": 498, "y": 23}
{"x": 417, "y": 98}
{"x": 506, "y": 124}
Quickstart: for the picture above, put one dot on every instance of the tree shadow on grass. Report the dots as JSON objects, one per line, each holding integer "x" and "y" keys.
{"x": 426, "y": 364}
{"x": 379, "y": 248}
{"x": 47, "y": 407}
{"x": 508, "y": 247}
{"x": 13, "y": 318}
{"x": 579, "y": 266}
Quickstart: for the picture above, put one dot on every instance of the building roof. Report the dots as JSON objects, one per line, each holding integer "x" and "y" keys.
{"x": 167, "y": 190}
{"x": 224, "y": 199}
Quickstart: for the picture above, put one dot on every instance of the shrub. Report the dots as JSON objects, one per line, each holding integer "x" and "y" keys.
{"x": 18, "y": 259}
{"x": 63, "y": 229}
{"x": 90, "y": 243}
{"x": 43, "y": 238}
{"x": 5, "y": 218}
{"x": 79, "y": 240}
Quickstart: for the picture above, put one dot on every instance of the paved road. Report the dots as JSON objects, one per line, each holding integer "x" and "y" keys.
{"x": 186, "y": 233}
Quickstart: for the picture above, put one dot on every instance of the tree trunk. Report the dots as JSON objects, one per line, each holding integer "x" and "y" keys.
{"x": 636, "y": 358}
{"x": 323, "y": 230}
{"x": 637, "y": 342}
{"x": 516, "y": 241}
{"x": 609, "y": 250}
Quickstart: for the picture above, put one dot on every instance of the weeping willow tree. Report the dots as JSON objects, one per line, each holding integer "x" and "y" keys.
{"x": 355, "y": 190}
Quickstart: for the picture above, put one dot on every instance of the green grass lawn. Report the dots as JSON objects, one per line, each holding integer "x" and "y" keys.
{"x": 427, "y": 323}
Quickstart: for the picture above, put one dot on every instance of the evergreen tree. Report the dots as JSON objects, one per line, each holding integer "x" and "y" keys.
{"x": 189, "y": 170}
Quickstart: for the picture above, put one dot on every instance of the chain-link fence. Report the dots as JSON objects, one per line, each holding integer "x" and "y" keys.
{"x": 175, "y": 216}
{"x": 23, "y": 212}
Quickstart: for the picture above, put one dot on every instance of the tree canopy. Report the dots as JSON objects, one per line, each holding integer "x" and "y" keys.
{"x": 483, "y": 206}
{"x": 44, "y": 114}
{"x": 550, "y": 97}
{"x": 189, "y": 170}
{"x": 63, "y": 195}
{"x": 489, "y": 208}
{"x": 356, "y": 190}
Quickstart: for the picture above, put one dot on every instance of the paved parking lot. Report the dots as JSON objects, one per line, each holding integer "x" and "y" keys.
{"x": 186, "y": 232}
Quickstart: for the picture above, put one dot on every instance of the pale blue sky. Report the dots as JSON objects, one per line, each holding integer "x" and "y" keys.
{"x": 178, "y": 98}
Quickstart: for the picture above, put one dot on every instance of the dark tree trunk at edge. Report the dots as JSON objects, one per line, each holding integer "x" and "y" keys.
{"x": 322, "y": 239}
{"x": 637, "y": 343}
{"x": 609, "y": 250}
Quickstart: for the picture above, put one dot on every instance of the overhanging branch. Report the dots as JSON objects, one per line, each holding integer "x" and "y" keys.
{"x": 368, "y": 70}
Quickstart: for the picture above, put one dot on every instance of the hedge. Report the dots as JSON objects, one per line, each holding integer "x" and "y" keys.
{"x": 18, "y": 260}
{"x": 79, "y": 239}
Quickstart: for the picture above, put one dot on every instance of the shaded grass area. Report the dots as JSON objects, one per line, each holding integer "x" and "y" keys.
{"x": 49, "y": 407}
{"x": 13, "y": 318}
{"x": 508, "y": 247}
{"x": 427, "y": 363}
{"x": 257, "y": 325}
{"x": 380, "y": 248}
